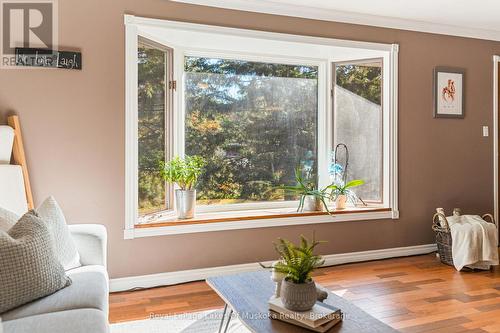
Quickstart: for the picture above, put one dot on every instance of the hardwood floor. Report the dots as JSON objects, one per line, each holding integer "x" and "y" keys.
{"x": 412, "y": 294}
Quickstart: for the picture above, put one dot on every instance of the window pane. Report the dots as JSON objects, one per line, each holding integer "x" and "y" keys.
{"x": 358, "y": 124}
{"x": 254, "y": 123}
{"x": 151, "y": 105}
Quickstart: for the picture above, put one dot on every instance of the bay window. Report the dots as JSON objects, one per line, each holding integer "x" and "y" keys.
{"x": 256, "y": 106}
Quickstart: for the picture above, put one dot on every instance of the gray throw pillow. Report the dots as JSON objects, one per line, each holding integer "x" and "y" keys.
{"x": 29, "y": 267}
{"x": 50, "y": 212}
{"x": 7, "y": 220}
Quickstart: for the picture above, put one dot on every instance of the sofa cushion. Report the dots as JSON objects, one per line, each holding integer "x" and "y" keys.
{"x": 72, "y": 321}
{"x": 29, "y": 268}
{"x": 88, "y": 290}
{"x": 52, "y": 215}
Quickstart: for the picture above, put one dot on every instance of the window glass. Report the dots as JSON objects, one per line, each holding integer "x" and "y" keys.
{"x": 151, "y": 126}
{"x": 254, "y": 123}
{"x": 358, "y": 123}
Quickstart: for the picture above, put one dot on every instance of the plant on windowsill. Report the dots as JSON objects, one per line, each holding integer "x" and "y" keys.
{"x": 311, "y": 199}
{"x": 340, "y": 188}
{"x": 341, "y": 192}
{"x": 185, "y": 173}
{"x": 296, "y": 263}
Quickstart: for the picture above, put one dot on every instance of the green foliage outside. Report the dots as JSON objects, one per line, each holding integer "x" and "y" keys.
{"x": 364, "y": 81}
{"x": 297, "y": 262}
{"x": 253, "y": 123}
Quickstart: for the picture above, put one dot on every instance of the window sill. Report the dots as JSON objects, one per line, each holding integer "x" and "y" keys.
{"x": 254, "y": 219}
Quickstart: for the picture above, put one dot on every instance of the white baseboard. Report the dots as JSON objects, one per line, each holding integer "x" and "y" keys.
{"x": 169, "y": 278}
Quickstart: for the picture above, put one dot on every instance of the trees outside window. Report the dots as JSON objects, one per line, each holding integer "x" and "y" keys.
{"x": 254, "y": 123}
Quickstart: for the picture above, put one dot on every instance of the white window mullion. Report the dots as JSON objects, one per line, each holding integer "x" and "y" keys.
{"x": 393, "y": 84}
{"x": 386, "y": 128}
{"x": 324, "y": 124}
{"x": 131, "y": 123}
{"x": 179, "y": 103}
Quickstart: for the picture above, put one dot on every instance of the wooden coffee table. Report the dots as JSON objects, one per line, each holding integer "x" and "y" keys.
{"x": 247, "y": 294}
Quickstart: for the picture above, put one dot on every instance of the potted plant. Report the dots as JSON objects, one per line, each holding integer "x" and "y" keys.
{"x": 298, "y": 290}
{"x": 185, "y": 173}
{"x": 311, "y": 198}
{"x": 341, "y": 192}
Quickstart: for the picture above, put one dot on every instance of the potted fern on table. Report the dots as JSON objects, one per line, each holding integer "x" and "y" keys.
{"x": 297, "y": 262}
{"x": 185, "y": 173}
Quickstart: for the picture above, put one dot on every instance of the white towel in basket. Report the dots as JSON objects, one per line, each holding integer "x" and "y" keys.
{"x": 474, "y": 242}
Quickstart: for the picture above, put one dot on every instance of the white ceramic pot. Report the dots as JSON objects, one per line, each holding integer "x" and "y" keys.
{"x": 185, "y": 203}
{"x": 341, "y": 201}
{"x": 312, "y": 204}
{"x": 277, "y": 277}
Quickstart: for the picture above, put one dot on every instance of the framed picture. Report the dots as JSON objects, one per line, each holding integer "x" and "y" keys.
{"x": 449, "y": 92}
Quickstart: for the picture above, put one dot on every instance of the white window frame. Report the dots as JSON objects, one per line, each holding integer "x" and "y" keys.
{"x": 148, "y": 28}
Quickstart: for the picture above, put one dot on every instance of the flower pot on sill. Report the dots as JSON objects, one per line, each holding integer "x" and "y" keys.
{"x": 298, "y": 296}
{"x": 185, "y": 203}
{"x": 340, "y": 202}
{"x": 312, "y": 204}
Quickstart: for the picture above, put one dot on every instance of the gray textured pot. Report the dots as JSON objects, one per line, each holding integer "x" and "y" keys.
{"x": 298, "y": 297}
{"x": 185, "y": 201}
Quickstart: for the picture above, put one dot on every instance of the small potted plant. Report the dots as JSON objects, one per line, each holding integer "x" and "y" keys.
{"x": 311, "y": 198}
{"x": 298, "y": 290}
{"x": 341, "y": 192}
{"x": 185, "y": 173}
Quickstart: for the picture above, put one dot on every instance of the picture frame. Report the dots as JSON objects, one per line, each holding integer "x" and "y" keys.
{"x": 449, "y": 92}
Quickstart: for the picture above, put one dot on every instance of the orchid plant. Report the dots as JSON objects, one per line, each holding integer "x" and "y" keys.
{"x": 339, "y": 186}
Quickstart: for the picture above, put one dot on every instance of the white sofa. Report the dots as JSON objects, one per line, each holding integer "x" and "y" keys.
{"x": 83, "y": 306}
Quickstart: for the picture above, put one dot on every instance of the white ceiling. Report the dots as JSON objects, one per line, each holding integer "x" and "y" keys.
{"x": 467, "y": 18}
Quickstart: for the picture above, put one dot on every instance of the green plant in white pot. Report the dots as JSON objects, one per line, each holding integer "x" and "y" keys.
{"x": 185, "y": 173}
{"x": 296, "y": 263}
{"x": 311, "y": 198}
{"x": 342, "y": 192}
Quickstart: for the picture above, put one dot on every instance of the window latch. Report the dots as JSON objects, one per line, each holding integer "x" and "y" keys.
{"x": 172, "y": 85}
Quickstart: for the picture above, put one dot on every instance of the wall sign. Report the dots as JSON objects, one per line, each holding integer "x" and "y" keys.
{"x": 48, "y": 58}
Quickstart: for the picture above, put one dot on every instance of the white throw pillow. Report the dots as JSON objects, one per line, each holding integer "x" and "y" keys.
{"x": 7, "y": 219}
{"x": 50, "y": 212}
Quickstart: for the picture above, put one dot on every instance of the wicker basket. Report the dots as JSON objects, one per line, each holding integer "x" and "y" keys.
{"x": 443, "y": 236}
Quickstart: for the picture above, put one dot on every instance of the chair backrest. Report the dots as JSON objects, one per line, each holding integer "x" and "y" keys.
{"x": 6, "y": 141}
{"x": 13, "y": 191}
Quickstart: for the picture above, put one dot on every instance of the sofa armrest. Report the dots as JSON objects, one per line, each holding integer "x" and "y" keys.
{"x": 91, "y": 241}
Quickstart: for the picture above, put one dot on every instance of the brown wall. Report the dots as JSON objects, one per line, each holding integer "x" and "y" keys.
{"x": 74, "y": 131}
